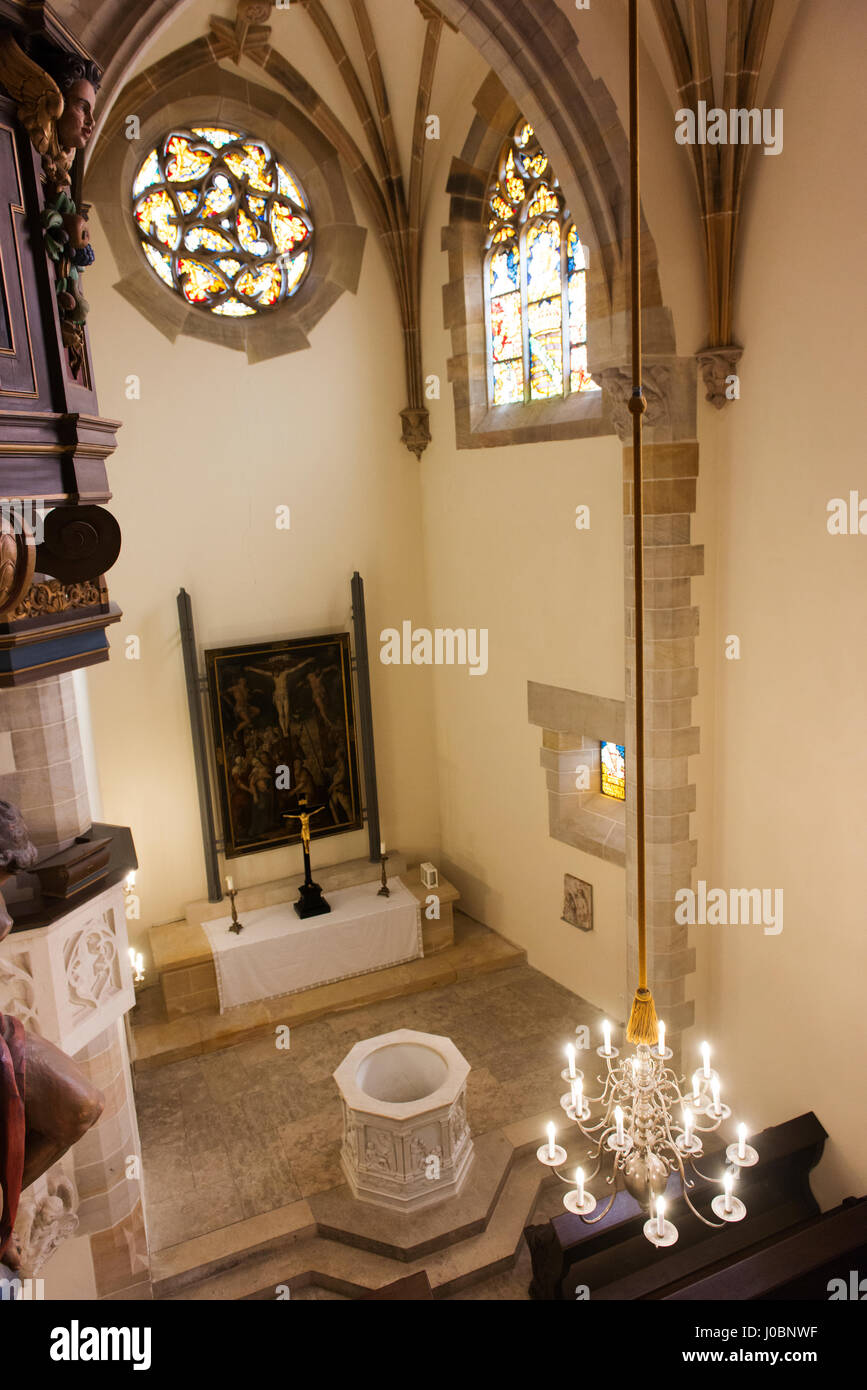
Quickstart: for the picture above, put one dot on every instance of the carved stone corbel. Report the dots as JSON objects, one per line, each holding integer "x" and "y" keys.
{"x": 717, "y": 365}
{"x": 416, "y": 429}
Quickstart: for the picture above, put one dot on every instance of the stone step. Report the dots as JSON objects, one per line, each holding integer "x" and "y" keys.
{"x": 292, "y": 1253}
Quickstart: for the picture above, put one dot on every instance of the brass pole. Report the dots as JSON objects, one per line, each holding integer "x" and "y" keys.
{"x": 642, "y": 1025}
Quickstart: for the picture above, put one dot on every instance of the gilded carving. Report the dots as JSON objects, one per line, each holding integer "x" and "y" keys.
{"x": 17, "y": 561}
{"x": 52, "y": 596}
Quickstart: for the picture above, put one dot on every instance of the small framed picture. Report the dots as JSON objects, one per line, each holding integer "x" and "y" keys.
{"x": 577, "y": 902}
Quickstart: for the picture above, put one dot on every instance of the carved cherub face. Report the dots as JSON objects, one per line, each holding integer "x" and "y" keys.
{"x": 75, "y": 125}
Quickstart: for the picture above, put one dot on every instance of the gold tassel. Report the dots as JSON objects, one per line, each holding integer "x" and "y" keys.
{"x": 642, "y": 1026}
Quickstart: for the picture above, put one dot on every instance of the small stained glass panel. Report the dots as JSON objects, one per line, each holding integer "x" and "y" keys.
{"x": 543, "y": 260}
{"x": 508, "y": 382}
{"x": 222, "y": 221}
{"x": 613, "y": 761}
{"x": 578, "y": 307}
{"x": 505, "y": 270}
{"x": 506, "y": 326}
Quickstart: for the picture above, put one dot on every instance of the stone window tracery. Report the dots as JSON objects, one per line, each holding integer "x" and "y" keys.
{"x": 222, "y": 220}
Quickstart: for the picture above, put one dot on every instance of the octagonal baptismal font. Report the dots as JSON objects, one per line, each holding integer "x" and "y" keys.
{"x": 406, "y": 1141}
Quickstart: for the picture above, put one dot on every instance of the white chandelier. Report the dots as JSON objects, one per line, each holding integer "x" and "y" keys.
{"x": 647, "y": 1127}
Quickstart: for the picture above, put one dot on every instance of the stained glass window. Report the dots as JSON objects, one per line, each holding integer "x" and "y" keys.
{"x": 535, "y": 282}
{"x": 222, "y": 220}
{"x": 613, "y": 759}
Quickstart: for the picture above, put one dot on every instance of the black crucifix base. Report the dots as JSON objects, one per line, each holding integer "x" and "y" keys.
{"x": 310, "y": 900}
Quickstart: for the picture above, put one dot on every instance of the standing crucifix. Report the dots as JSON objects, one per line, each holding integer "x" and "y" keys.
{"x": 310, "y": 900}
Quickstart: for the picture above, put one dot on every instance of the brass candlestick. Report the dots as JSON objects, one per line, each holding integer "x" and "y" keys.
{"x": 236, "y": 926}
{"x": 385, "y": 891}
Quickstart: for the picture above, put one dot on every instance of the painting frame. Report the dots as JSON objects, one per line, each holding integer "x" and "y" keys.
{"x": 283, "y": 722}
{"x": 577, "y": 902}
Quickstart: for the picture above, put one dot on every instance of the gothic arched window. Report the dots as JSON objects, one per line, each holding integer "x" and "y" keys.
{"x": 222, "y": 221}
{"x": 535, "y": 281}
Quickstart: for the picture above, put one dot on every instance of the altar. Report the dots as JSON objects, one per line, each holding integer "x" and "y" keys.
{"x": 279, "y": 953}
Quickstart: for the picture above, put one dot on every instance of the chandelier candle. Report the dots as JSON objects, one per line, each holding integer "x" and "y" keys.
{"x": 570, "y": 1056}
{"x": 705, "y": 1060}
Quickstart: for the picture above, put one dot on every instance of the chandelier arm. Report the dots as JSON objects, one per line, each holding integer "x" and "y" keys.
{"x": 592, "y": 1220}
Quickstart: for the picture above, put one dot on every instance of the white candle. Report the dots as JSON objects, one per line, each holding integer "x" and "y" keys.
{"x": 661, "y": 1047}
{"x": 551, "y": 1153}
{"x": 139, "y": 966}
{"x": 727, "y": 1185}
{"x": 382, "y": 846}
{"x": 705, "y": 1057}
{"x": 579, "y": 1185}
{"x": 687, "y": 1126}
{"x": 606, "y": 1038}
{"x": 230, "y": 884}
{"x": 618, "y": 1120}
{"x": 132, "y": 956}
{"x": 742, "y": 1139}
{"x": 578, "y": 1096}
{"x": 696, "y": 1085}
{"x": 130, "y": 880}
{"x": 570, "y": 1057}
{"x": 714, "y": 1086}
{"x": 660, "y": 1217}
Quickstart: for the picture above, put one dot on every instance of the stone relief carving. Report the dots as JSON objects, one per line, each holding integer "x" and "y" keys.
{"x": 17, "y": 990}
{"x": 92, "y": 973}
{"x": 379, "y": 1153}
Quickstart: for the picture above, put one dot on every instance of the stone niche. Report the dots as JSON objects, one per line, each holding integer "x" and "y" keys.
{"x": 406, "y": 1141}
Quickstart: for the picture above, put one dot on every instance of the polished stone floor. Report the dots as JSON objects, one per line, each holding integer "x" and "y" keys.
{"x": 236, "y": 1133}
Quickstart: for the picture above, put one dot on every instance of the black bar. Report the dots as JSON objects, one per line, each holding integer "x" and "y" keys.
{"x": 365, "y": 715}
{"x": 200, "y": 748}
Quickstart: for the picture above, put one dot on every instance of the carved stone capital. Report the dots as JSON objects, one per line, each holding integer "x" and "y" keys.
{"x": 416, "y": 429}
{"x": 717, "y": 364}
{"x": 47, "y": 1216}
{"x": 616, "y": 382}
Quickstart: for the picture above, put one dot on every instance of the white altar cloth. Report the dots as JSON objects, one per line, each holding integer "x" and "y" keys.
{"x": 279, "y": 953}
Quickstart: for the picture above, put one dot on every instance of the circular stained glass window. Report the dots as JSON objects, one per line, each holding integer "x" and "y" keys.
{"x": 222, "y": 221}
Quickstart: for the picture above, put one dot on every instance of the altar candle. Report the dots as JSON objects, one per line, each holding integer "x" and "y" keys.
{"x": 687, "y": 1126}
{"x": 714, "y": 1086}
{"x": 705, "y": 1057}
{"x": 660, "y": 1217}
{"x": 130, "y": 880}
{"x": 661, "y": 1047}
{"x": 727, "y": 1186}
{"x": 139, "y": 966}
{"x": 382, "y": 846}
{"x": 551, "y": 1153}
{"x": 742, "y": 1139}
{"x": 579, "y": 1185}
{"x": 570, "y": 1057}
{"x": 606, "y": 1038}
{"x": 132, "y": 956}
{"x": 618, "y": 1120}
{"x": 230, "y": 884}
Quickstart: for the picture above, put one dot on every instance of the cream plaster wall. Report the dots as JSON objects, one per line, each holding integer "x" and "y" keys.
{"x": 205, "y": 456}
{"x": 789, "y": 773}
